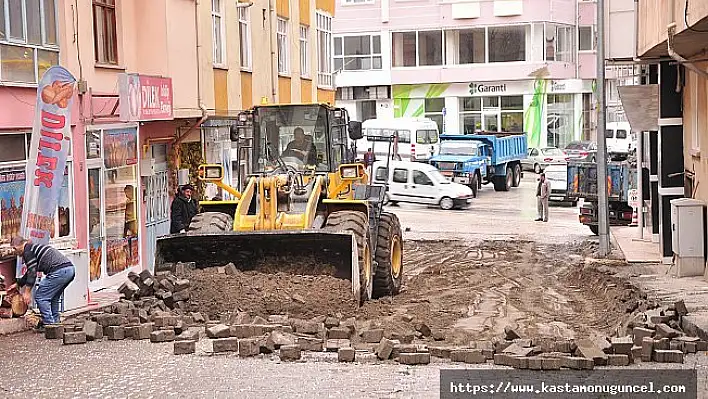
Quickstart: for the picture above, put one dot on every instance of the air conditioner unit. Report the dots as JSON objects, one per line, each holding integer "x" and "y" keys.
{"x": 687, "y": 230}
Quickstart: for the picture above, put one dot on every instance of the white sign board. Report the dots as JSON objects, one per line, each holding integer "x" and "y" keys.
{"x": 633, "y": 199}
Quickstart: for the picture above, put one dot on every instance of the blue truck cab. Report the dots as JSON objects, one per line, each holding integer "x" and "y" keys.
{"x": 482, "y": 158}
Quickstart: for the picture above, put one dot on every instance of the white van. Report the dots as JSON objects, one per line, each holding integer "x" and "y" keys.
{"x": 618, "y": 138}
{"x": 420, "y": 183}
{"x": 418, "y": 139}
{"x": 557, "y": 176}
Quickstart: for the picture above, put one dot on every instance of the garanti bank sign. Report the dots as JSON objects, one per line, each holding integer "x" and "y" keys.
{"x": 484, "y": 88}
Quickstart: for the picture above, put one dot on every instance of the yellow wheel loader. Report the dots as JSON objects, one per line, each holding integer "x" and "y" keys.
{"x": 304, "y": 206}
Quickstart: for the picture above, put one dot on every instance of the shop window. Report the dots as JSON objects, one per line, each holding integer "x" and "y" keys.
{"x": 12, "y": 199}
{"x": 112, "y": 197}
{"x": 105, "y": 32}
{"x": 472, "y": 46}
{"x": 434, "y": 110}
{"x": 357, "y": 53}
{"x": 507, "y": 43}
{"x": 495, "y": 113}
{"x": 560, "y": 126}
{"x": 28, "y": 39}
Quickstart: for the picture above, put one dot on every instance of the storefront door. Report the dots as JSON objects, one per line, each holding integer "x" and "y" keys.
{"x": 112, "y": 175}
{"x": 157, "y": 199}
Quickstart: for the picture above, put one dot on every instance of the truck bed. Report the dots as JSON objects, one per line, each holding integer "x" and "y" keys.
{"x": 582, "y": 180}
{"x": 507, "y": 147}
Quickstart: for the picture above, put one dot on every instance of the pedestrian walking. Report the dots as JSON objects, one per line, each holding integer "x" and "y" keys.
{"x": 182, "y": 210}
{"x": 58, "y": 274}
{"x": 369, "y": 157}
{"x": 542, "y": 196}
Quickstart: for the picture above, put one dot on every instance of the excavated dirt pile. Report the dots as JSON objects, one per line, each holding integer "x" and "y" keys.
{"x": 263, "y": 294}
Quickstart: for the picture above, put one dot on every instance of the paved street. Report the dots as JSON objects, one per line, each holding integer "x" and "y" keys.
{"x": 141, "y": 369}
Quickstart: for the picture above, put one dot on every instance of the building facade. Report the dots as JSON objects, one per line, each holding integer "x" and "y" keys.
{"x": 159, "y": 83}
{"x": 495, "y": 65}
{"x": 672, "y": 36}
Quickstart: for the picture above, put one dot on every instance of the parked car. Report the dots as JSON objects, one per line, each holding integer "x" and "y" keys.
{"x": 557, "y": 176}
{"x": 539, "y": 158}
{"x": 420, "y": 183}
{"x": 582, "y": 151}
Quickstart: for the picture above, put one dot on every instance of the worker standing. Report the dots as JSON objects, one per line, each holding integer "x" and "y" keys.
{"x": 542, "y": 196}
{"x": 183, "y": 209}
{"x": 58, "y": 274}
{"x": 369, "y": 157}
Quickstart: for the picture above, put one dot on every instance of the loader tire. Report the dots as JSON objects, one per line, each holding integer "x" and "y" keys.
{"x": 356, "y": 223}
{"x": 211, "y": 222}
{"x": 389, "y": 256}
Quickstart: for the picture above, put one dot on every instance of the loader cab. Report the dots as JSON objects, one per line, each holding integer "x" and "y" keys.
{"x": 298, "y": 137}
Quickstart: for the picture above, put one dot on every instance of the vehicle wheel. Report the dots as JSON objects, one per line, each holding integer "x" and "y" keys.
{"x": 499, "y": 183}
{"x": 386, "y": 199}
{"x": 389, "y": 256}
{"x": 446, "y": 203}
{"x": 517, "y": 176}
{"x": 474, "y": 185}
{"x": 537, "y": 169}
{"x": 211, "y": 222}
{"x": 574, "y": 204}
{"x": 356, "y": 223}
{"x": 595, "y": 229}
{"x": 506, "y": 181}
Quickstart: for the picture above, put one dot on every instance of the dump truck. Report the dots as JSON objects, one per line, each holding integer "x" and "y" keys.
{"x": 482, "y": 158}
{"x": 303, "y": 206}
{"x": 582, "y": 183}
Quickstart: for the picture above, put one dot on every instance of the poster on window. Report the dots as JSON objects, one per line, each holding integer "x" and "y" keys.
{"x": 12, "y": 190}
{"x": 49, "y": 149}
{"x": 120, "y": 147}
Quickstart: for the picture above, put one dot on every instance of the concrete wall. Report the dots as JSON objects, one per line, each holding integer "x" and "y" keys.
{"x": 655, "y": 15}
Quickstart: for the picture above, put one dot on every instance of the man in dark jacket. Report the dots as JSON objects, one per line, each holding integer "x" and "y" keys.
{"x": 183, "y": 209}
{"x": 58, "y": 274}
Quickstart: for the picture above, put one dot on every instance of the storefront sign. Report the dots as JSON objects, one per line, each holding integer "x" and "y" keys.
{"x": 12, "y": 197}
{"x": 145, "y": 98}
{"x": 48, "y": 151}
{"x": 484, "y": 88}
{"x": 121, "y": 147}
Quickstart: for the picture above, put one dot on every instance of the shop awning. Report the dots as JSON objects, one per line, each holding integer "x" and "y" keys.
{"x": 641, "y": 106}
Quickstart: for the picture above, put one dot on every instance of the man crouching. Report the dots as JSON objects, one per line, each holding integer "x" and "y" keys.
{"x": 58, "y": 274}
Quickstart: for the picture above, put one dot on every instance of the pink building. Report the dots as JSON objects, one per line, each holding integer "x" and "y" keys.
{"x": 137, "y": 100}
{"x": 500, "y": 65}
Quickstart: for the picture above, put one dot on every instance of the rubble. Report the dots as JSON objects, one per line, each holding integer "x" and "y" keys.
{"x": 346, "y": 354}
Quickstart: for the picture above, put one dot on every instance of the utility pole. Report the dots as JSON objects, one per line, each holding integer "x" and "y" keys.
{"x": 602, "y": 205}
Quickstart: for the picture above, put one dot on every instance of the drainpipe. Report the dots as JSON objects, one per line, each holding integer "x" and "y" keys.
{"x": 273, "y": 55}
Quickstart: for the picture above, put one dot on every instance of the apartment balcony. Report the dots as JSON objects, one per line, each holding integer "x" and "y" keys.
{"x": 656, "y": 15}
{"x": 375, "y": 15}
{"x": 483, "y": 72}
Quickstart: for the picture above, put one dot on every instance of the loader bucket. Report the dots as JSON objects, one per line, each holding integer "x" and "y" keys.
{"x": 293, "y": 252}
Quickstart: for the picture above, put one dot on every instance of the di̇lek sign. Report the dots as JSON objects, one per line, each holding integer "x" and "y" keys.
{"x": 145, "y": 98}
{"x": 47, "y": 158}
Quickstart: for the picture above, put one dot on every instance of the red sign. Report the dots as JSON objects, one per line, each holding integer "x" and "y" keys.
{"x": 145, "y": 98}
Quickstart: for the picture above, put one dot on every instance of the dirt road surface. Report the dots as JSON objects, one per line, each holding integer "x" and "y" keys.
{"x": 468, "y": 274}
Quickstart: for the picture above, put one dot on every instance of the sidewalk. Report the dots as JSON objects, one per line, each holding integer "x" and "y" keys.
{"x": 657, "y": 281}
{"x": 634, "y": 249}
{"x": 98, "y": 300}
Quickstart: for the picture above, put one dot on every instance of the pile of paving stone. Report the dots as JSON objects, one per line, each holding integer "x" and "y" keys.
{"x": 162, "y": 291}
{"x": 655, "y": 336}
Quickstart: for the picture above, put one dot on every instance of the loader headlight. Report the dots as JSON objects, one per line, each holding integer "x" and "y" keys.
{"x": 349, "y": 172}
